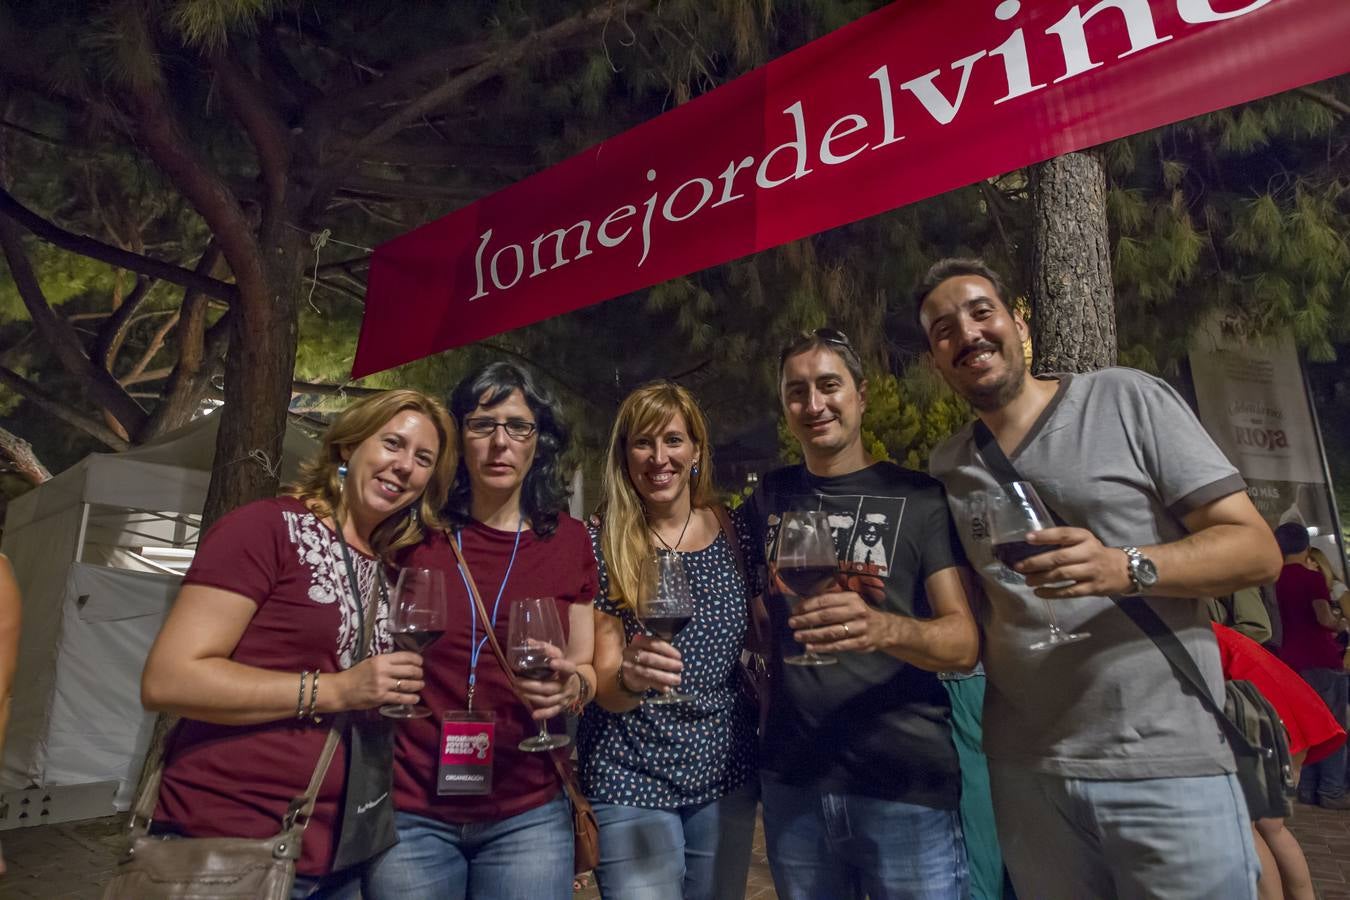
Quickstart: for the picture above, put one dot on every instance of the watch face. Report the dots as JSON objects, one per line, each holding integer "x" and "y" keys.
{"x": 1144, "y": 571}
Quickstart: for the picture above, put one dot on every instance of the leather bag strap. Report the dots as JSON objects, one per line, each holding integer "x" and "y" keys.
{"x": 568, "y": 779}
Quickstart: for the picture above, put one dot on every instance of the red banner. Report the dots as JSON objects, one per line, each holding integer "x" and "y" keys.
{"x": 918, "y": 98}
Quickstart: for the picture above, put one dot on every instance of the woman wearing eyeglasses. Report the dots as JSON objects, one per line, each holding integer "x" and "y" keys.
{"x": 673, "y": 784}
{"x": 495, "y": 823}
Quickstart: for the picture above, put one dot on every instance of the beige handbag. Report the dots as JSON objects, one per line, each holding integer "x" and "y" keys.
{"x": 172, "y": 868}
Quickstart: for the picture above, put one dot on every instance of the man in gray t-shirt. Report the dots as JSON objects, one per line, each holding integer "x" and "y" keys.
{"x": 1108, "y": 778}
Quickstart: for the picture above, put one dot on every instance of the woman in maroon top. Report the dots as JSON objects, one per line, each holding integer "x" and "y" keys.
{"x": 499, "y": 825}
{"x": 267, "y": 598}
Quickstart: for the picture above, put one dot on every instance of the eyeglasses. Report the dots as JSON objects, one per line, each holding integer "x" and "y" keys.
{"x": 516, "y": 429}
{"x": 827, "y": 335}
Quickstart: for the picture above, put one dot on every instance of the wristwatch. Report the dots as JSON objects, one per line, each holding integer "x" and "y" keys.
{"x": 1143, "y": 571}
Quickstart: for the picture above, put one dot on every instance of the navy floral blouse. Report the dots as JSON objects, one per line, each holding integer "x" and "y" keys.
{"x": 666, "y": 756}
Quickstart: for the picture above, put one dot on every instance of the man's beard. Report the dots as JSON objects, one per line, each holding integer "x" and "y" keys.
{"x": 999, "y": 394}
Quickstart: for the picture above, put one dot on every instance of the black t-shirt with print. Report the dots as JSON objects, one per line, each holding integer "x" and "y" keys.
{"x": 872, "y": 724}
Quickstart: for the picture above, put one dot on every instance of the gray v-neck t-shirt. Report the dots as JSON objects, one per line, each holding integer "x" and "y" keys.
{"x": 1117, "y": 452}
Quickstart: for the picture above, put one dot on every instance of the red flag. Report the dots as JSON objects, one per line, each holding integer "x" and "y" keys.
{"x": 918, "y": 98}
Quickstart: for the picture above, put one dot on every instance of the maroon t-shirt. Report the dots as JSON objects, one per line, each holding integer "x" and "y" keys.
{"x": 1306, "y": 644}
{"x": 561, "y": 566}
{"x": 237, "y": 781}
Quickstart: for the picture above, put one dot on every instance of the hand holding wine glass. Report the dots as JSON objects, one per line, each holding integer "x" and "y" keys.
{"x": 535, "y": 652}
{"x": 806, "y": 562}
{"x": 1013, "y": 510}
{"x": 417, "y": 618}
{"x": 664, "y": 607}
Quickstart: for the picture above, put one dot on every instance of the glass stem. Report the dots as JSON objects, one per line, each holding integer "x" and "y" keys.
{"x": 1050, "y": 610}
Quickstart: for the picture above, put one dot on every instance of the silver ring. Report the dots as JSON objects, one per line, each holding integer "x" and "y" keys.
{"x": 844, "y": 625}
{"x": 398, "y": 686}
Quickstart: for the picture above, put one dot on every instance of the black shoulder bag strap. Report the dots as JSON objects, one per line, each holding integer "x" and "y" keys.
{"x": 367, "y": 825}
{"x": 1139, "y": 612}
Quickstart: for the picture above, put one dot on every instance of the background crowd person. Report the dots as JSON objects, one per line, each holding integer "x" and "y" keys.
{"x": 860, "y": 778}
{"x": 1311, "y": 649}
{"x": 1313, "y": 735}
{"x": 673, "y": 784}
{"x": 11, "y": 612}
{"x": 507, "y": 513}
{"x": 1125, "y": 774}
{"x": 267, "y": 598}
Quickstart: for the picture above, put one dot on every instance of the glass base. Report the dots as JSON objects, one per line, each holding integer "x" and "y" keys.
{"x": 810, "y": 659}
{"x": 403, "y": 711}
{"x": 541, "y": 742}
{"x": 669, "y": 697}
{"x": 1056, "y": 638}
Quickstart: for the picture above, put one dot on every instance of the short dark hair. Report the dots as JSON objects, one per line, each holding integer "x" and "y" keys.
{"x": 545, "y": 491}
{"x": 956, "y": 267}
{"x": 825, "y": 339}
{"x": 1292, "y": 538}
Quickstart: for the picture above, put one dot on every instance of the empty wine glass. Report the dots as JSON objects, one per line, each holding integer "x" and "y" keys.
{"x": 534, "y": 630}
{"x": 1012, "y": 510}
{"x": 665, "y": 605}
{"x": 806, "y": 561}
{"x": 417, "y": 617}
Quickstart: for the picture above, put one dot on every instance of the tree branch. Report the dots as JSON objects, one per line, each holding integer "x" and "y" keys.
{"x": 57, "y": 410}
{"x": 22, "y": 459}
{"x": 1327, "y": 100}
{"x": 156, "y": 344}
{"x": 461, "y": 84}
{"x": 60, "y": 337}
{"x": 113, "y": 332}
{"x": 113, "y": 256}
{"x": 390, "y": 188}
{"x": 394, "y": 84}
{"x": 265, "y": 129}
{"x": 333, "y": 390}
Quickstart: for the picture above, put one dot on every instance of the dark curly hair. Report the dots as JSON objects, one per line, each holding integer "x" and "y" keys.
{"x": 545, "y": 492}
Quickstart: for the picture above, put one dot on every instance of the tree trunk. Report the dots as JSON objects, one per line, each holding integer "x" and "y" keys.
{"x": 259, "y": 367}
{"x": 1073, "y": 318}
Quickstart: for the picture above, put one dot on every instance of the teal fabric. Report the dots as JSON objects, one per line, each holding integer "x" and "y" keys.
{"x": 977, "y": 807}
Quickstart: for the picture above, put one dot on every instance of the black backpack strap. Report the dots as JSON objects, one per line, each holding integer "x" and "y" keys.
{"x": 1138, "y": 610}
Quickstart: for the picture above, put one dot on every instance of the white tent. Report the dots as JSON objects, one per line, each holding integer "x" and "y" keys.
{"x": 97, "y": 551}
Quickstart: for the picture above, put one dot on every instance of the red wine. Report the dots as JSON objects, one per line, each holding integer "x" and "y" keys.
{"x": 1010, "y": 553}
{"x": 532, "y": 665}
{"x": 416, "y": 639}
{"x": 809, "y": 581}
{"x": 666, "y": 627}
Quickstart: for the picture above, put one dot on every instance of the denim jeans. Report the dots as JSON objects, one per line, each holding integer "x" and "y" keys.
{"x": 1325, "y": 779}
{"x": 1156, "y": 838}
{"x": 524, "y": 856}
{"x": 695, "y": 852}
{"x": 839, "y": 846}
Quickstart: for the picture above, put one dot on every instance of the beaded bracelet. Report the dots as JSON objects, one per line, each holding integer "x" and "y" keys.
{"x": 577, "y": 705}
{"x": 300, "y": 699}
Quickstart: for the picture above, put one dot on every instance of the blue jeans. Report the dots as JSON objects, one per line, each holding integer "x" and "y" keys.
{"x": 826, "y": 846}
{"x": 695, "y": 852}
{"x": 1156, "y": 838}
{"x": 1325, "y": 779}
{"x": 524, "y": 856}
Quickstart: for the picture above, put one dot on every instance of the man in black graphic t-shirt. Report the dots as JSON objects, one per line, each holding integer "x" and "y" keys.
{"x": 860, "y": 777}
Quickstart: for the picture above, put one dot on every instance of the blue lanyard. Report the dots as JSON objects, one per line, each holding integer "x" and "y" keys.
{"x": 476, "y": 643}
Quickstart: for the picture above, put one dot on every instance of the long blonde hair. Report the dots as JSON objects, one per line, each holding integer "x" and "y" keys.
{"x": 320, "y": 487}
{"x": 625, "y": 539}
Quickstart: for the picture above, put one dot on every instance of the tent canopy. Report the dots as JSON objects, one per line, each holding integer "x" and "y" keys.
{"x": 93, "y": 602}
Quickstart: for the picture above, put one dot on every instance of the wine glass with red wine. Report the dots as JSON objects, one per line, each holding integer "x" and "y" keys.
{"x": 1014, "y": 509}
{"x": 417, "y": 617}
{"x": 806, "y": 562}
{"x": 665, "y": 606}
{"x": 534, "y": 631}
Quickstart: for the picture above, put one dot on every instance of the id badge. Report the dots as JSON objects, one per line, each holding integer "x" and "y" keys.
{"x": 467, "y": 740}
